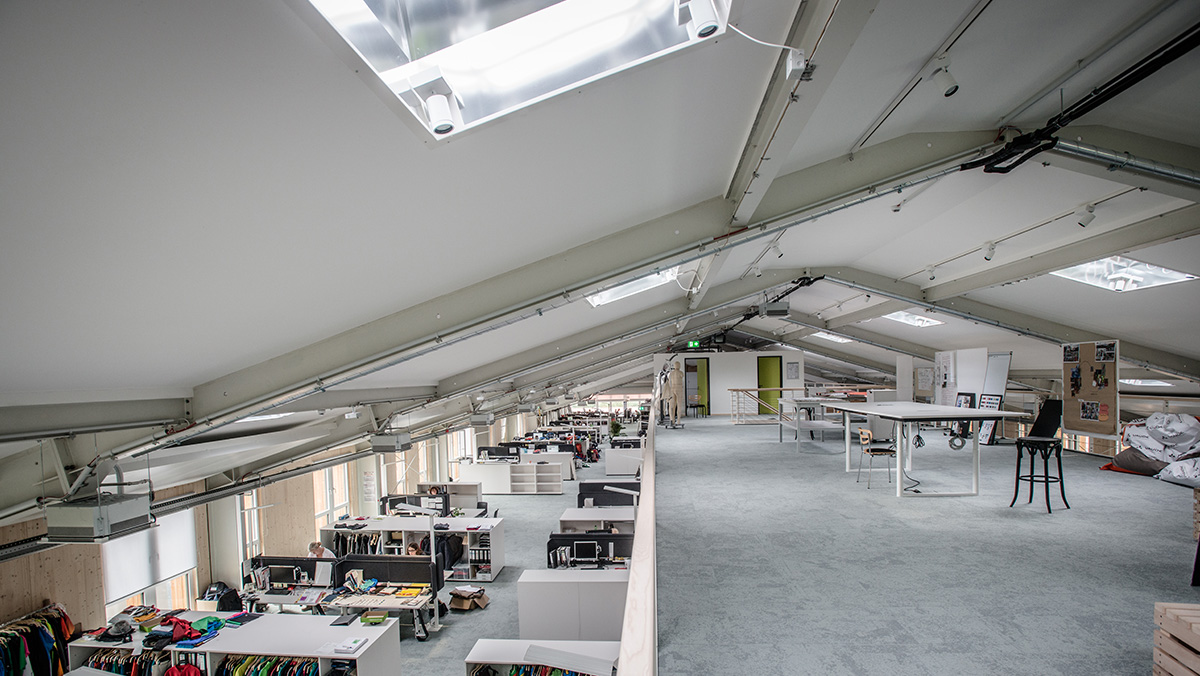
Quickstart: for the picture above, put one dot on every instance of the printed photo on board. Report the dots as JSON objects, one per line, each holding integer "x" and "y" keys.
{"x": 1071, "y": 354}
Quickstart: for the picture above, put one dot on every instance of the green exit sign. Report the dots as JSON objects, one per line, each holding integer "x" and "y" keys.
{"x": 693, "y": 343}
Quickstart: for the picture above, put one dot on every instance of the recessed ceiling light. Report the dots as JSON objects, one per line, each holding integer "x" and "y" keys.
{"x": 635, "y": 287}
{"x": 1145, "y": 383}
{"x": 919, "y": 321}
{"x": 1122, "y": 274}
{"x": 831, "y": 337}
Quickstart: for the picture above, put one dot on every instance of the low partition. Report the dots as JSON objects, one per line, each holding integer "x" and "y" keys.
{"x": 639, "y": 629}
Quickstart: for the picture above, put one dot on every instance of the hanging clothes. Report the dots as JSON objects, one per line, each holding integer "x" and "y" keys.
{"x": 36, "y": 645}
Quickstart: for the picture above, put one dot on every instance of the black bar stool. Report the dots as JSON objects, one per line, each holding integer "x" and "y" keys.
{"x": 1043, "y": 446}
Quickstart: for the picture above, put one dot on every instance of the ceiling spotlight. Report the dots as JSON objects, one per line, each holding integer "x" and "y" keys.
{"x": 929, "y": 271}
{"x": 756, "y": 271}
{"x": 1085, "y": 215}
{"x": 989, "y": 250}
{"x": 701, "y": 17}
{"x": 945, "y": 82}
{"x": 430, "y": 91}
{"x": 776, "y": 250}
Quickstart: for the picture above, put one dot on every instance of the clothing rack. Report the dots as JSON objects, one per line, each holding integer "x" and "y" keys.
{"x": 49, "y": 606}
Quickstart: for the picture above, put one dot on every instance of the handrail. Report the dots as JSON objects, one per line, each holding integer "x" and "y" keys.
{"x": 738, "y": 402}
{"x": 639, "y": 627}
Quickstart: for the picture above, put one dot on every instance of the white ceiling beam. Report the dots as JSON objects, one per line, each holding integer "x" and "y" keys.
{"x": 1149, "y": 232}
{"x": 351, "y": 398}
{"x": 707, "y": 267}
{"x": 1009, "y": 320}
{"x": 1136, "y": 145}
{"x": 825, "y": 30}
{"x": 877, "y": 310}
{"x": 22, "y": 423}
{"x": 855, "y": 362}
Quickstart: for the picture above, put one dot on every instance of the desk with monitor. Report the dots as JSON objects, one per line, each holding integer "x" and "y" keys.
{"x": 905, "y": 415}
{"x": 584, "y": 519}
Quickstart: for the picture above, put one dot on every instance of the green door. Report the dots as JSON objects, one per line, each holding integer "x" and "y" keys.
{"x": 770, "y": 374}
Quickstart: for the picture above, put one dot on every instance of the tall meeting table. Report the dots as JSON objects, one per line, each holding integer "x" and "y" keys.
{"x": 905, "y": 414}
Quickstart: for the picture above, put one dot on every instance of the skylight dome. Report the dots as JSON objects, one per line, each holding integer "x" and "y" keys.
{"x": 455, "y": 66}
{"x": 1122, "y": 274}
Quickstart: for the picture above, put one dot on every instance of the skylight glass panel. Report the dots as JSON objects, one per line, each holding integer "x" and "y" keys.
{"x": 635, "y": 287}
{"x": 831, "y": 337}
{"x": 919, "y": 321}
{"x": 1145, "y": 383}
{"x": 1122, "y": 274}
{"x": 455, "y": 66}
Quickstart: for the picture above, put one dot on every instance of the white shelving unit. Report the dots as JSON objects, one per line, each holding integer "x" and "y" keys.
{"x": 483, "y": 541}
{"x": 503, "y": 654}
{"x": 507, "y": 478}
{"x": 300, "y": 636}
{"x": 463, "y": 494}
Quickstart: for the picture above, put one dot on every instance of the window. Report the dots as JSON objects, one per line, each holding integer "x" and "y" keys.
{"x": 177, "y": 592}
{"x": 251, "y": 536}
{"x": 331, "y": 494}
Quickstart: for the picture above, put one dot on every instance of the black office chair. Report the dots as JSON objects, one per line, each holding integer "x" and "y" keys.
{"x": 482, "y": 504}
{"x": 1042, "y": 440}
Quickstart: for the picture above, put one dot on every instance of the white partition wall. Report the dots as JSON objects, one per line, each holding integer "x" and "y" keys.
{"x": 736, "y": 370}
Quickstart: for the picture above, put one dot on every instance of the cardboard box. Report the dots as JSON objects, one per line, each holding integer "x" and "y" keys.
{"x": 479, "y": 600}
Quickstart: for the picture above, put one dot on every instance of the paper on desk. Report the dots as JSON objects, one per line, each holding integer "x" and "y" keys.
{"x": 324, "y": 573}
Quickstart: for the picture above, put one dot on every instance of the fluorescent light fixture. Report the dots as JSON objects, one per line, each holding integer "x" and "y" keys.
{"x": 1122, "y": 274}
{"x": 1144, "y": 383}
{"x": 494, "y": 58}
{"x": 919, "y": 321}
{"x": 635, "y": 287}
{"x": 265, "y": 416}
{"x": 831, "y": 337}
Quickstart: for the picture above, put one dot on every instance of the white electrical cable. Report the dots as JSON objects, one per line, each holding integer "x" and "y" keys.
{"x": 765, "y": 44}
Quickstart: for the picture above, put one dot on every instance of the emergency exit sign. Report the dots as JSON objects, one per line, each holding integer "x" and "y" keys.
{"x": 693, "y": 343}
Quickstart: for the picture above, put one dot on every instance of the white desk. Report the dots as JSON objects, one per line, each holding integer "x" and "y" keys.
{"x": 583, "y": 519}
{"x": 905, "y": 414}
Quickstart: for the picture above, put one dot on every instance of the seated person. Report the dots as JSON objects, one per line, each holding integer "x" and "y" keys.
{"x": 414, "y": 549}
{"x": 318, "y": 551}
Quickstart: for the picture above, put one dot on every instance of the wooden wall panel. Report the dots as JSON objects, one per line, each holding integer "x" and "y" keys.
{"x": 69, "y": 575}
{"x": 288, "y": 526}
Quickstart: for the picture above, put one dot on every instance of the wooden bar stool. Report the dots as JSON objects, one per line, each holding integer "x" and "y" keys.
{"x": 1044, "y": 446}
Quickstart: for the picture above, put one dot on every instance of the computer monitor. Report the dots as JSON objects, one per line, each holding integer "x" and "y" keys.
{"x": 282, "y": 576}
{"x": 585, "y": 551}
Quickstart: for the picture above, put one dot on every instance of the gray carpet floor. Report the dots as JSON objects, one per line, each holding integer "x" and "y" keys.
{"x": 773, "y": 560}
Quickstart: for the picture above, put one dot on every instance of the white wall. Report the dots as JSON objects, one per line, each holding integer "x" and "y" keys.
{"x": 734, "y": 370}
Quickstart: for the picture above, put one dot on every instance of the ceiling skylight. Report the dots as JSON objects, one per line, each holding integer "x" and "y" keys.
{"x": 830, "y": 336}
{"x": 635, "y": 287}
{"x": 1122, "y": 274}
{"x": 1144, "y": 383}
{"x": 455, "y": 66}
{"x": 919, "y": 321}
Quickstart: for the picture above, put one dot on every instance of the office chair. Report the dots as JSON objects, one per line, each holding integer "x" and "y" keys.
{"x": 873, "y": 448}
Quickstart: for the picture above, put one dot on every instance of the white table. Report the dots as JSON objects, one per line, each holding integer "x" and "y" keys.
{"x": 905, "y": 414}
{"x": 583, "y": 519}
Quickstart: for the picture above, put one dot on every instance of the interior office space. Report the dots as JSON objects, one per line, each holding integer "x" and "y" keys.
{"x": 234, "y": 245}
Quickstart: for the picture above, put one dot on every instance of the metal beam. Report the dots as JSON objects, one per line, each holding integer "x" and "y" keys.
{"x": 1009, "y": 320}
{"x": 825, "y": 30}
{"x": 1166, "y": 227}
{"x": 1135, "y": 145}
{"x": 24, "y": 423}
{"x": 877, "y": 310}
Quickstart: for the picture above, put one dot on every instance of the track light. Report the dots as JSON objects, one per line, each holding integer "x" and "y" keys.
{"x": 701, "y": 17}
{"x": 776, "y": 250}
{"x": 929, "y": 271}
{"x": 989, "y": 250}
{"x": 1085, "y": 215}
{"x": 945, "y": 82}
{"x": 430, "y": 93}
{"x": 756, "y": 271}
{"x": 437, "y": 107}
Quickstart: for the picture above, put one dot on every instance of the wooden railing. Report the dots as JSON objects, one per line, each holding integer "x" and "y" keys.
{"x": 745, "y": 405}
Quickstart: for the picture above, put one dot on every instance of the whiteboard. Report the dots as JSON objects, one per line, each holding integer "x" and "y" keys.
{"x": 995, "y": 381}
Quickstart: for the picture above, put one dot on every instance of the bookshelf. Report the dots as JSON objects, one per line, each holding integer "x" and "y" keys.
{"x": 506, "y": 478}
{"x": 483, "y": 541}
